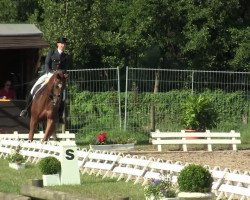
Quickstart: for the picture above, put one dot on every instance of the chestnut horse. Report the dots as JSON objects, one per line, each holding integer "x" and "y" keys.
{"x": 46, "y": 103}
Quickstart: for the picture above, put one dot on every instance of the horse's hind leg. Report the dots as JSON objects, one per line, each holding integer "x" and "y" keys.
{"x": 33, "y": 126}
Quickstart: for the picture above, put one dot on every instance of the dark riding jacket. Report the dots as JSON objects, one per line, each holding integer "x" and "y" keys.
{"x": 54, "y": 60}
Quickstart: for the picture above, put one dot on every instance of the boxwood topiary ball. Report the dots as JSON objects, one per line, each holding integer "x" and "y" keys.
{"x": 195, "y": 178}
{"x": 49, "y": 165}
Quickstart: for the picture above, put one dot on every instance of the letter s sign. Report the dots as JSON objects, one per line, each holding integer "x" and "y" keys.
{"x": 70, "y": 154}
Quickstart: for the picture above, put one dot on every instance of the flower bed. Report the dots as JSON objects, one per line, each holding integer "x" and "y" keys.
{"x": 161, "y": 189}
{"x": 120, "y": 147}
{"x": 16, "y": 160}
{"x": 102, "y": 142}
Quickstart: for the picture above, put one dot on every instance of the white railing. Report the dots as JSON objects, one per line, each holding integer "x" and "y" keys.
{"x": 227, "y": 184}
{"x": 186, "y": 138}
{"x": 37, "y": 136}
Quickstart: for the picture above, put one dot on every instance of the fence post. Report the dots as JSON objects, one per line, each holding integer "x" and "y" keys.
{"x": 126, "y": 100}
{"x": 119, "y": 97}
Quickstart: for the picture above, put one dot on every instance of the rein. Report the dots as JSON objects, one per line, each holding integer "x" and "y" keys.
{"x": 55, "y": 98}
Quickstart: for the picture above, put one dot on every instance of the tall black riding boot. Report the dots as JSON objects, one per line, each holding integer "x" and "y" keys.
{"x": 60, "y": 112}
{"x": 24, "y": 113}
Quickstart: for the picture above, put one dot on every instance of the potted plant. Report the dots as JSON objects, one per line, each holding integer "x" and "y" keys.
{"x": 161, "y": 189}
{"x": 103, "y": 142}
{"x": 16, "y": 160}
{"x": 195, "y": 182}
{"x": 50, "y": 168}
{"x": 198, "y": 113}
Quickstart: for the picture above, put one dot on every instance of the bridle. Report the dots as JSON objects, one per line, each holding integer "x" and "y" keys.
{"x": 56, "y": 92}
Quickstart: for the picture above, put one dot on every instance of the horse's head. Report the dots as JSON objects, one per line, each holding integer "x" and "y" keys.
{"x": 59, "y": 84}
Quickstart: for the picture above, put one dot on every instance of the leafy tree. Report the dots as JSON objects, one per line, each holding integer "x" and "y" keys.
{"x": 8, "y": 11}
{"x": 190, "y": 34}
{"x": 241, "y": 58}
{"x": 16, "y": 11}
{"x": 209, "y": 41}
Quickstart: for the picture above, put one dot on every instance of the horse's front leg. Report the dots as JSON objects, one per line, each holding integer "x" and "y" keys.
{"x": 50, "y": 129}
{"x": 33, "y": 127}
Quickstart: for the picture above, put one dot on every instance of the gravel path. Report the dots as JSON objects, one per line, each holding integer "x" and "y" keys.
{"x": 234, "y": 160}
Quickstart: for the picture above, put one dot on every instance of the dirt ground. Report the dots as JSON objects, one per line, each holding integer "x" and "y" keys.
{"x": 233, "y": 160}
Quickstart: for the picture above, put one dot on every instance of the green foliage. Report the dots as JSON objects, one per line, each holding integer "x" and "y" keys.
{"x": 232, "y": 108}
{"x": 240, "y": 60}
{"x": 195, "y": 178}
{"x": 13, "y": 11}
{"x": 92, "y": 113}
{"x": 49, "y": 165}
{"x": 13, "y": 180}
{"x": 15, "y": 157}
{"x": 98, "y": 111}
{"x": 114, "y": 136}
{"x": 198, "y": 113}
{"x": 104, "y": 138}
{"x": 194, "y": 34}
{"x": 209, "y": 41}
{"x": 8, "y": 12}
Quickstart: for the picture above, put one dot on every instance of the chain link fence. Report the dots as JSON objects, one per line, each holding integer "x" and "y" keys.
{"x": 93, "y": 100}
{"x": 151, "y": 98}
{"x": 154, "y": 96}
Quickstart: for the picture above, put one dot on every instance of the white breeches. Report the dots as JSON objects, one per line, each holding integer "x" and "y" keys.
{"x": 42, "y": 80}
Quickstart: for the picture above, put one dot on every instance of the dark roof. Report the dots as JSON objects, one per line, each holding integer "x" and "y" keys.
{"x": 21, "y": 36}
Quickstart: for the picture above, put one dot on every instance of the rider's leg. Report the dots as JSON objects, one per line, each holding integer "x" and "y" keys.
{"x": 38, "y": 83}
{"x": 34, "y": 89}
{"x": 24, "y": 113}
{"x": 60, "y": 112}
{"x": 61, "y": 108}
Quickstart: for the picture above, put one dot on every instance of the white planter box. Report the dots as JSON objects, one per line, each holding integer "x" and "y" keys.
{"x": 17, "y": 166}
{"x": 51, "y": 179}
{"x": 118, "y": 147}
{"x": 195, "y": 196}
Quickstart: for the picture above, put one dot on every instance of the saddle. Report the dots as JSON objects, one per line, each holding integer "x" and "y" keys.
{"x": 37, "y": 89}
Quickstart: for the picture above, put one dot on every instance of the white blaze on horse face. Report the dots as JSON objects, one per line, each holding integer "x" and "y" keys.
{"x": 60, "y": 85}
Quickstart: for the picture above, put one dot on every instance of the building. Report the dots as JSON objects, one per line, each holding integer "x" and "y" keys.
{"x": 20, "y": 46}
{"x": 20, "y": 56}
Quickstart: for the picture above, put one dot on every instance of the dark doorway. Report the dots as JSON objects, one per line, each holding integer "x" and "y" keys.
{"x": 19, "y": 66}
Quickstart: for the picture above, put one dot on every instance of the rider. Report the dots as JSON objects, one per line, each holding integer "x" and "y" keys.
{"x": 56, "y": 59}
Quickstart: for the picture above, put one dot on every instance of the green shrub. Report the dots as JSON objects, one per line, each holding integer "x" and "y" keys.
{"x": 198, "y": 113}
{"x": 195, "y": 178}
{"x": 49, "y": 165}
{"x": 16, "y": 158}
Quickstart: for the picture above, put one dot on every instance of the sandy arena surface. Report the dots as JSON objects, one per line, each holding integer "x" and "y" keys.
{"x": 234, "y": 160}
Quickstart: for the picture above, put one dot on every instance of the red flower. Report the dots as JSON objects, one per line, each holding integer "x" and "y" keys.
{"x": 102, "y": 137}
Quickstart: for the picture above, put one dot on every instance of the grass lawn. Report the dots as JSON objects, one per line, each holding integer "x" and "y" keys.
{"x": 91, "y": 186}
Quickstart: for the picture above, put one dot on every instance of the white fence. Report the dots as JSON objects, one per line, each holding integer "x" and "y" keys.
{"x": 139, "y": 169}
{"x": 207, "y": 138}
{"x": 37, "y": 136}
